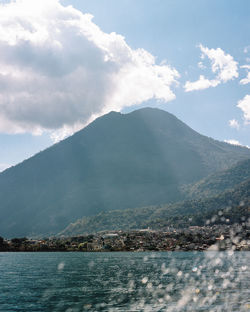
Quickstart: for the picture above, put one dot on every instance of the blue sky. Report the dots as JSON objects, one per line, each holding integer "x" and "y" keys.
{"x": 176, "y": 32}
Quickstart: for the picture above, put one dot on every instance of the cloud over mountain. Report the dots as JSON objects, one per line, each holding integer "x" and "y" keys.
{"x": 58, "y": 69}
{"x": 233, "y": 142}
{"x": 233, "y": 123}
{"x": 202, "y": 83}
{"x": 244, "y": 105}
{"x": 222, "y": 64}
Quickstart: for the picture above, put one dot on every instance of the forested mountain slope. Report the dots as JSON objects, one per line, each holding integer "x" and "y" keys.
{"x": 219, "y": 181}
{"x": 232, "y": 206}
{"x": 119, "y": 161}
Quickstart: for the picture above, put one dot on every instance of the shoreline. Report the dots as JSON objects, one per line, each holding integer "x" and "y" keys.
{"x": 194, "y": 238}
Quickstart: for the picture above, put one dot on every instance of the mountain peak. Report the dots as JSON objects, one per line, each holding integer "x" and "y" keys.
{"x": 118, "y": 161}
{"x": 151, "y": 112}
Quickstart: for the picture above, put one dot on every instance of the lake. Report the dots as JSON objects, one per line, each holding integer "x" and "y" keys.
{"x": 124, "y": 281}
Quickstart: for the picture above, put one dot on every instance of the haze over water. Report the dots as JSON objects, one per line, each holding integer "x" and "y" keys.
{"x": 167, "y": 281}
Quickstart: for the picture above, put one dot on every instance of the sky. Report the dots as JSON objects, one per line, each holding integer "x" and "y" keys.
{"x": 64, "y": 63}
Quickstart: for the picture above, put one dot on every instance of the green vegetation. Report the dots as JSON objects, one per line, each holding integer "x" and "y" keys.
{"x": 218, "y": 182}
{"x": 229, "y": 207}
{"x": 118, "y": 162}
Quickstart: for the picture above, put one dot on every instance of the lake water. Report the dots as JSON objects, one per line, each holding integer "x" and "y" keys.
{"x": 164, "y": 281}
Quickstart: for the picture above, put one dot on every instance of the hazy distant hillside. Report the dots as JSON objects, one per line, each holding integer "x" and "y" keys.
{"x": 229, "y": 207}
{"x": 119, "y": 161}
{"x": 219, "y": 181}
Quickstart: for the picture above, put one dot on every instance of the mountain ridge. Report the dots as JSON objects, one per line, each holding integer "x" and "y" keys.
{"x": 118, "y": 161}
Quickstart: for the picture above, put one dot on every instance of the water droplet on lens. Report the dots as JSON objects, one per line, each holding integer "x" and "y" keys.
{"x": 60, "y": 266}
{"x": 144, "y": 280}
{"x": 91, "y": 264}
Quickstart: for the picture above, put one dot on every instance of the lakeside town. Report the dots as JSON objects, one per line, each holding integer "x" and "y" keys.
{"x": 193, "y": 238}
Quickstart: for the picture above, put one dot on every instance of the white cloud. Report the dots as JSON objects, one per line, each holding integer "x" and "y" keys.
{"x": 234, "y": 124}
{"x": 244, "y": 105}
{"x": 246, "y": 49}
{"x": 201, "y": 65}
{"x": 222, "y": 64}
{"x": 200, "y": 84}
{"x": 58, "y": 69}
{"x": 247, "y": 79}
{"x": 4, "y": 166}
{"x": 235, "y": 142}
